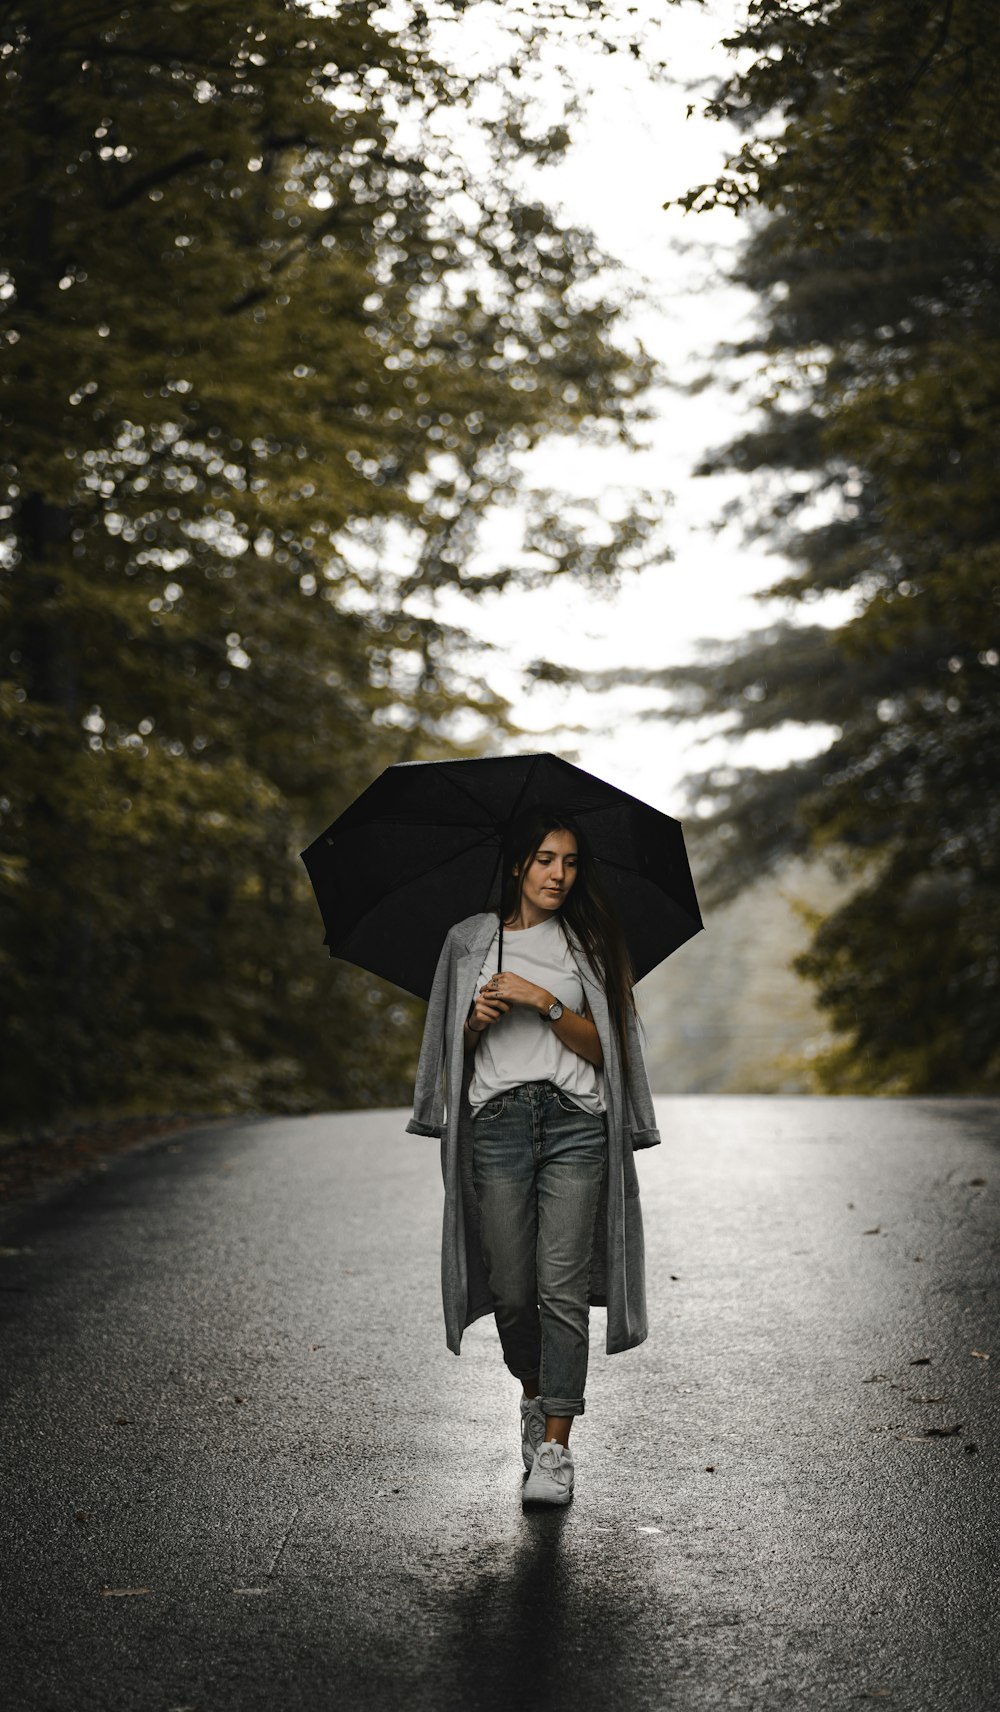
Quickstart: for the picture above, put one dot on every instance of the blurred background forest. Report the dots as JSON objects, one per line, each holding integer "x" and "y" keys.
{"x": 271, "y": 353}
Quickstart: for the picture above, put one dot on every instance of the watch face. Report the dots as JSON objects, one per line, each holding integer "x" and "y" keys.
{"x": 555, "y": 1011}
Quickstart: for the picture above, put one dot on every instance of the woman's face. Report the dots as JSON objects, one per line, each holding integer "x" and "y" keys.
{"x": 551, "y": 873}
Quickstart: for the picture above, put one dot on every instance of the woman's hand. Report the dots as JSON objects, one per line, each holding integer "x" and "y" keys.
{"x": 579, "y": 1033}
{"x": 486, "y": 1008}
{"x": 515, "y": 990}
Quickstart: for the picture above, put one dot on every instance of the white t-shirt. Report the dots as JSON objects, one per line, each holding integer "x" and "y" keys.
{"x": 522, "y": 1046}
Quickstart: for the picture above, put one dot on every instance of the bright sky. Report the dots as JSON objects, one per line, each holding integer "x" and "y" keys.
{"x": 634, "y": 149}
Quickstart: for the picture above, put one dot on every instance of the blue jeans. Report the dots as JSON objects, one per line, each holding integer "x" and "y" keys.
{"x": 538, "y": 1165}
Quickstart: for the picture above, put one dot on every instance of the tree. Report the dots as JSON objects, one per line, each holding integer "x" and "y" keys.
{"x": 874, "y": 150}
{"x": 271, "y": 350}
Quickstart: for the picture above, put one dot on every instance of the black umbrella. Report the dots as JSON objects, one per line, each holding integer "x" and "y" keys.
{"x": 421, "y": 848}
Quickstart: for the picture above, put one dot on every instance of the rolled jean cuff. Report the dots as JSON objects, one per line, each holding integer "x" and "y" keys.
{"x": 559, "y": 1407}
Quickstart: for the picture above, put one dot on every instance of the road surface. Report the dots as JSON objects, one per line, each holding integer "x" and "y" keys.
{"x": 241, "y": 1470}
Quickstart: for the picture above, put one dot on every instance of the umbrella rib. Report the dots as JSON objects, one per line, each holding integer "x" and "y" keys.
{"x": 411, "y": 879}
{"x": 458, "y": 784}
{"x": 532, "y": 770}
{"x": 396, "y": 819}
{"x": 625, "y": 868}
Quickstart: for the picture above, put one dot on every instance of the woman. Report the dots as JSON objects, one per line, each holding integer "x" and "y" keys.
{"x": 541, "y": 1047}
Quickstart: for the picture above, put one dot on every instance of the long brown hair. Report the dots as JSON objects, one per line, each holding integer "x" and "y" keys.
{"x": 586, "y": 909}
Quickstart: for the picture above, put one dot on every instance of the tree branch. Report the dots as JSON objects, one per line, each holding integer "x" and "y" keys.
{"x": 159, "y": 175}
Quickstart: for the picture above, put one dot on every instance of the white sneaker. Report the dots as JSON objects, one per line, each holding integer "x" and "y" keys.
{"x": 532, "y": 1429}
{"x": 551, "y": 1477}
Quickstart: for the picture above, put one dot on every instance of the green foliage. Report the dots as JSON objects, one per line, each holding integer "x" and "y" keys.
{"x": 874, "y": 144}
{"x": 271, "y": 349}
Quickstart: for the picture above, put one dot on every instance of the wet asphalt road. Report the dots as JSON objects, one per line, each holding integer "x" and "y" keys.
{"x": 225, "y": 1381}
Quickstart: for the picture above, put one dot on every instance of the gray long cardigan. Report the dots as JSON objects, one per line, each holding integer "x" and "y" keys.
{"x": 618, "y": 1260}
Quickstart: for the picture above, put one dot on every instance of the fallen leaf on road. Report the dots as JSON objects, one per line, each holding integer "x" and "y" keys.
{"x": 976, "y": 1182}
{"x": 123, "y": 1592}
{"x": 980, "y": 1354}
{"x": 710, "y": 1468}
{"x": 971, "y": 1448}
{"x": 921, "y": 1361}
{"x": 932, "y": 1433}
{"x": 875, "y": 1229}
{"x": 123, "y": 1421}
{"x": 876, "y": 1379}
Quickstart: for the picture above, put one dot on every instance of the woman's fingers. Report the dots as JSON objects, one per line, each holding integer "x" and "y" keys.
{"x": 514, "y": 989}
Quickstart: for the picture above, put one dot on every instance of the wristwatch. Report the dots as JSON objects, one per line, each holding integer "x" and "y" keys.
{"x": 554, "y": 1011}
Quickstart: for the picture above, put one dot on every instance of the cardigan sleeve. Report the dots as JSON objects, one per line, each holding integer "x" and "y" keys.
{"x": 428, "y": 1091}
{"x": 640, "y": 1100}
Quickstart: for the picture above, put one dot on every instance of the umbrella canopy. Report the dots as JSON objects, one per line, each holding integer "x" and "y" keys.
{"x": 421, "y": 848}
